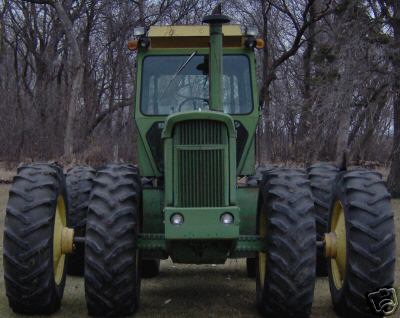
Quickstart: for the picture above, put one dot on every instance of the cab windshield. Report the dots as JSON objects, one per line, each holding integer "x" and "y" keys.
{"x": 175, "y": 83}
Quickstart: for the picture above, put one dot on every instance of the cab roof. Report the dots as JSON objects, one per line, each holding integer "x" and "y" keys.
{"x": 182, "y": 36}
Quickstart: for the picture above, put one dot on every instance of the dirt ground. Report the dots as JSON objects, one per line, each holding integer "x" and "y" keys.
{"x": 187, "y": 290}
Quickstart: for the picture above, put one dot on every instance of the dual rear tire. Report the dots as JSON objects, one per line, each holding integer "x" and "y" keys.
{"x": 359, "y": 217}
{"x": 34, "y": 267}
{"x": 112, "y": 258}
{"x": 79, "y": 185}
{"x": 34, "y": 264}
{"x": 355, "y": 206}
{"x": 362, "y": 222}
{"x": 322, "y": 177}
{"x": 285, "y": 272}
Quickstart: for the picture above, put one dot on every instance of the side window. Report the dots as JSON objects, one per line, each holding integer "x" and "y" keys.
{"x": 238, "y": 98}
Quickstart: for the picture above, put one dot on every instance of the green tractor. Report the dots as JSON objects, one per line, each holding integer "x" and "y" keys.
{"x": 196, "y": 197}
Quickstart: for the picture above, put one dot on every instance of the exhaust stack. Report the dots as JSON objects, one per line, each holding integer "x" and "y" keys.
{"x": 216, "y": 20}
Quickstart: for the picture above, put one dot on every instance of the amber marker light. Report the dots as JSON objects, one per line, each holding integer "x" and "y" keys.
{"x": 132, "y": 45}
{"x": 260, "y": 43}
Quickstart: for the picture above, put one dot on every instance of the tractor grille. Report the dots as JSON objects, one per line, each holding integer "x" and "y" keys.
{"x": 201, "y": 154}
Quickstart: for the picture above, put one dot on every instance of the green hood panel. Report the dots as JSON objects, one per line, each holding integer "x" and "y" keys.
{"x": 173, "y": 119}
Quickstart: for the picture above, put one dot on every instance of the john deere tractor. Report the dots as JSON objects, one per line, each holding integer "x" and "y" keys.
{"x": 196, "y": 196}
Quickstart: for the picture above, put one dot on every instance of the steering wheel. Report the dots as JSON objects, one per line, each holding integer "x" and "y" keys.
{"x": 191, "y": 99}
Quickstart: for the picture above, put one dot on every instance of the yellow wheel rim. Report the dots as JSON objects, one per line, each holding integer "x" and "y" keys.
{"x": 60, "y": 222}
{"x": 338, "y": 227}
{"x": 262, "y": 257}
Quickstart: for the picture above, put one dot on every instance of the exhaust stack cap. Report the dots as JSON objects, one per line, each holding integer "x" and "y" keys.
{"x": 216, "y": 16}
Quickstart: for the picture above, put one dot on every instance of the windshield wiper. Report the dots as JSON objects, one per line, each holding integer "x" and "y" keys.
{"x": 178, "y": 72}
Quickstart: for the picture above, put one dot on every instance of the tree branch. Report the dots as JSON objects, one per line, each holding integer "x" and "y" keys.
{"x": 50, "y": 2}
{"x": 105, "y": 113}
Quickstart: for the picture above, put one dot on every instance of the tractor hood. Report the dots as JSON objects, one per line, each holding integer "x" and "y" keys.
{"x": 173, "y": 119}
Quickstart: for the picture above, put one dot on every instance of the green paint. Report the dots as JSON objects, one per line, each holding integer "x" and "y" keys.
{"x": 201, "y": 224}
{"x": 152, "y": 242}
{"x": 172, "y": 120}
{"x": 247, "y": 201}
{"x": 146, "y": 160}
{"x": 183, "y": 165}
{"x": 153, "y": 201}
{"x": 250, "y": 243}
{"x": 216, "y": 67}
{"x": 199, "y": 171}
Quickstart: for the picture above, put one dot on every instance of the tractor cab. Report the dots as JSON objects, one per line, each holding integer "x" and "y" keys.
{"x": 173, "y": 76}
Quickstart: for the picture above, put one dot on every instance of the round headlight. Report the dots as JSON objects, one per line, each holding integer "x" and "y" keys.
{"x": 176, "y": 219}
{"x": 227, "y": 218}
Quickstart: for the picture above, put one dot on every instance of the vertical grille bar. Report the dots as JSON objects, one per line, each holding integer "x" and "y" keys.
{"x": 200, "y": 147}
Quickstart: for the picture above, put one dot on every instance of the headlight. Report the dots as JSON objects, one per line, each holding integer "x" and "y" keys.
{"x": 226, "y": 218}
{"x": 177, "y": 219}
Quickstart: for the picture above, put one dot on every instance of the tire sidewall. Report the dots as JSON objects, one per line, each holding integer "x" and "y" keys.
{"x": 280, "y": 189}
{"x": 100, "y": 273}
{"x": 79, "y": 180}
{"x": 38, "y": 190}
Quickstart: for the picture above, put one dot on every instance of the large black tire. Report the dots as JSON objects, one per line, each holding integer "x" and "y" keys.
{"x": 286, "y": 272}
{"x": 322, "y": 176}
{"x": 112, "y": 275}
{"x": 30, "y": 281}
{"x": 79, "y": 184}
{"x": 370, "y": 241}
{"x": 149, "y": 268}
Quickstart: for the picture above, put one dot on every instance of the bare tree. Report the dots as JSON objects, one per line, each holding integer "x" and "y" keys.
{"x": 76, "y": 69}
{"x": 327, "y": 77}
{"x": 283, "y": 24}
{"x": 394, "y": 20}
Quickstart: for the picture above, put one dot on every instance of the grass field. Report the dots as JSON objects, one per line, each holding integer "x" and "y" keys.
{"x": 187, "y": 290}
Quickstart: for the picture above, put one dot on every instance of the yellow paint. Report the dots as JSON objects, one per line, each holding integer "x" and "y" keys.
{"x": 330, "y": 245}
{"x": 179, "y": 36}
{"x": 338, "y": 227}
{"x": 60, "y": 222}
{"x": 262, "y": 257}
{"x": 67, "y": 240}
{"x": 191, "y": 30}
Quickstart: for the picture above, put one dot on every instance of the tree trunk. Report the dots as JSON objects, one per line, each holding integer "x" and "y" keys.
{"x": 76, "y": 75}
{"x": 264, "y": 127}
{"x": 394, "y": 174}
{"x": 306, "y": 116}
{"x": 141, "y": 13}
{"x": 343, "y": 135}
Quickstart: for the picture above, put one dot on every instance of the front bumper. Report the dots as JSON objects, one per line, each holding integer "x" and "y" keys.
{"x": 201, "y": 223}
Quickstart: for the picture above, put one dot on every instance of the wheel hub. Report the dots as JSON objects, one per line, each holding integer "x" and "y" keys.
{"x": 330, "y": 245}
{"x": 335, "y": 244}
{"x": 62, "y": 240}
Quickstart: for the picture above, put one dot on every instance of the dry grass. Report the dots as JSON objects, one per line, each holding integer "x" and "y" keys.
{"x": 6, "y": 175}
{"x": 183, "y": 290}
